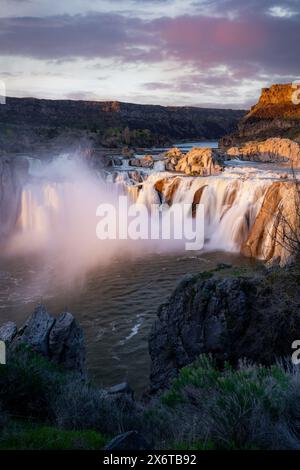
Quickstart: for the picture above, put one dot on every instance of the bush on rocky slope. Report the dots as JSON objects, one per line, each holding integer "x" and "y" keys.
{"x": 253, "y": 407}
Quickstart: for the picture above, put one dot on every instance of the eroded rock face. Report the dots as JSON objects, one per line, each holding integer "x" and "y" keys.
{"x": 276, "y": 225}
{"x": 229, "y": 315}
{"x": 273, "y": 150}
{"x": 200, "y": 162}
{"x": 60, "y": 340}
{"x": 275, "y": 115}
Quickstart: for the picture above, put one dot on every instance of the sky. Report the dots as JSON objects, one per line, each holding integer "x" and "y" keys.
{"x": 212, "y": 53}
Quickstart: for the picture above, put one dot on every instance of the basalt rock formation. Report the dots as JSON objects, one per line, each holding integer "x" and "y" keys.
{"x": 228, "y": 314}
{"x": 59, "y": 339}
{"x": 273, "y": 150}
{"x": 275, "y": 235}
{"x": 28, "y": 124}
{"x": 277, "y": 114}
{"x": 200, "y": 162}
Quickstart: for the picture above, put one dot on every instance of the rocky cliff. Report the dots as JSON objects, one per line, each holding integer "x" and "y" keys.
{"x": 228, "y": 313}
{"x": 275, "y": 235}
{"x": 59, "y": 339}
{"x": 28, "y": 123}
{"x": 273, "y": 150}
{"x": 275, "y": 115}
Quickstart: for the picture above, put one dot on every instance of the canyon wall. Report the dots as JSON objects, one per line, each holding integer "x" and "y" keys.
{"x": 28, "y": 124}
{"x": 275, "y": 115}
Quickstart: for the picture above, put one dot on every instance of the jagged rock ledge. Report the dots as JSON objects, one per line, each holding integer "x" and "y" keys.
{"x": 231, "y": 313}
{"x": 60, "y": 340}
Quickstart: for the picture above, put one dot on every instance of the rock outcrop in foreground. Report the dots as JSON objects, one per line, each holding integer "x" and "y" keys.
{"x": 60, "y": 340}
{"x": 273, "y": 150}
{"x": 275, "y": 115}
{"x": 229, "y": 314}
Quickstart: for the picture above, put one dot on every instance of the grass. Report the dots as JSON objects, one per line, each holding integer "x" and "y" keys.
{"x": 41, "y": 437}
{"x": 253, "y": 407}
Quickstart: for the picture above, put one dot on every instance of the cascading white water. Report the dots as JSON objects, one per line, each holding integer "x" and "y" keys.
{"x": 230, "y": 204}
{"x": 58, "y": 211}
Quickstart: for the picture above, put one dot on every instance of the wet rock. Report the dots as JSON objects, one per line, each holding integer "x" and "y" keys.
{"x": 136, "y": 176}
{"x": 131, "y": 440}
{"x": 143, "y": 162}
{"x": 200, "y": 162}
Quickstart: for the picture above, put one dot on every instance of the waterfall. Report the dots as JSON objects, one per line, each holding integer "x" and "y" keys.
{"x": 58, "y": 206}
{"x": 230, "y": 204}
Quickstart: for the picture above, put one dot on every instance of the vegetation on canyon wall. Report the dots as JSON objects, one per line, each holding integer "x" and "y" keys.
{"x": 28, "y": 124}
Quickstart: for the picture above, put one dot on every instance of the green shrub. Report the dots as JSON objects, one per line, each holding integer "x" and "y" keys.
{"x": 254, "y": 407}
{"x": 27, "y": 383}
{"x": 49, "y": 438}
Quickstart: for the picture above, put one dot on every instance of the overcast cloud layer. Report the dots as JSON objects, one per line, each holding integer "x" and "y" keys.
{"x": 211, "y": 53}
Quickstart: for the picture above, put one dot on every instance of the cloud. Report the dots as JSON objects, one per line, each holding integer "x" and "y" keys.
{"x": 264, "y": 42}
{"x": 222, "y": 44}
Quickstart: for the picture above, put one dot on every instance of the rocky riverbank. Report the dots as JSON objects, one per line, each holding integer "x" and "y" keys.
{"x": 207, "y": 348}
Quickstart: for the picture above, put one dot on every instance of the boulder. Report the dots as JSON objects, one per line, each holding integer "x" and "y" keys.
{"x": 172, "y": 157}
{"x": 143, "y": 162}
{"x": 200, "y": 162}
{"x": 36, "y": 331}
{"x": 60, "y": 340}
{"x": 231, "y": 316}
